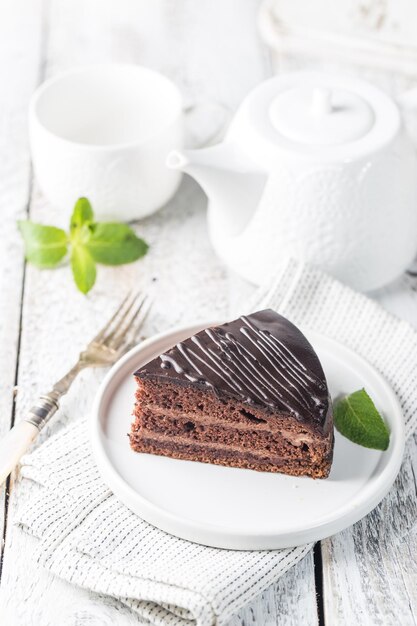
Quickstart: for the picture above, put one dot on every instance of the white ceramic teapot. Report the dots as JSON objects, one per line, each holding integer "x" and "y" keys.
{"x": 314, "y": 166}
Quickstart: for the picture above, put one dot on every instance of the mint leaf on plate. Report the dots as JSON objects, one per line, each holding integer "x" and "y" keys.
{"x": 357, "y": 418}
{"x": 112, "y": 243}
{"x": 82, "y": 214}
{"x": 45, "y": 246}
{"x": 83, "y": 268}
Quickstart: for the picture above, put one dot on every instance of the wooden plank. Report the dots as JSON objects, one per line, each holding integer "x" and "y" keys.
{"x": 370, "y": 569}
{"x": 20, "y": 47}
{"x": 191, "y": 282}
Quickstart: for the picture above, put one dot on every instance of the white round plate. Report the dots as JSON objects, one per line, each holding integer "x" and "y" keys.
{"x": 239, "y": 508}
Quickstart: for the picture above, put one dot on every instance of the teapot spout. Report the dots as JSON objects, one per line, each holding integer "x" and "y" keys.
{"x": 233, "y": 184}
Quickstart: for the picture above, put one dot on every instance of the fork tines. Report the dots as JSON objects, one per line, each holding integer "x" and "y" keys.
{"x": 123, "y": 327}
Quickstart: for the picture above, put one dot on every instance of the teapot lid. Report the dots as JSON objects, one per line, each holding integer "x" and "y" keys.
{"x": 317, "y": 113}
{"x": 321, "y": 115}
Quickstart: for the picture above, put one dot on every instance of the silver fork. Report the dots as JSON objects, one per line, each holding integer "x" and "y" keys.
{"x": 115, "y": 338}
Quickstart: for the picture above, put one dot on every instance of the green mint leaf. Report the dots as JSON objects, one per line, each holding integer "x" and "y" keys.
{"x": 82, "y": 214}
{"x": 80, "y": 234}
{"x": 45, "y": 246}
{"x": 112, "y": 243}
{"x": 83, "y": 268}
{"x": 357, "y": 418}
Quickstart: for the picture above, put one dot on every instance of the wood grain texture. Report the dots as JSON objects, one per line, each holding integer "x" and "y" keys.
{"x": 370, "y": 570}
{"x": 20, "y": 53}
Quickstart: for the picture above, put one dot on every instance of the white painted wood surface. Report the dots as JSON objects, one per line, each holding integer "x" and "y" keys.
{"x": 20, "y": 40}
{"x": 212, "y": 51}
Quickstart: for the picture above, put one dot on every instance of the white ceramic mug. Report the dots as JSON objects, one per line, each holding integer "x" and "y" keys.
{"x": 104, "y": 132}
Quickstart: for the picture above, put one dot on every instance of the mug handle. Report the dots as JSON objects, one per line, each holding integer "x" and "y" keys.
{"x": 202, "y": 111}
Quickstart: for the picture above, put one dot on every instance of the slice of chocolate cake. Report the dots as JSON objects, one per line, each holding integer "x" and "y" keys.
{"x": 250, "y": 393}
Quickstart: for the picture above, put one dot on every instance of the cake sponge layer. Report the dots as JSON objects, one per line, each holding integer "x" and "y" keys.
{"x": 183, "y": 423}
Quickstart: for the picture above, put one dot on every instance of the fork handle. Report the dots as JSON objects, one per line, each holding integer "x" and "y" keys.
{"x": 14, "y": 445}
{"x": 19, "y": 439}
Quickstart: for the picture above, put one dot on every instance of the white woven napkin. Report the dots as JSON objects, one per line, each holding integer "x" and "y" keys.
{"x": 87, "y": 537}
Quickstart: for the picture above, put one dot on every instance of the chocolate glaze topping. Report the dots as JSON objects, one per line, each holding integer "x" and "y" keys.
{"x": 260, "y": 359}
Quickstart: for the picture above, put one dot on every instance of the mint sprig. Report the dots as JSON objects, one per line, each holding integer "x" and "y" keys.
{"x": 88, "y": 242}
{"x": 45, "y": 246}
{"x": 82, "y": 214}
{"x": 112, "y": 243}
{"x": 357, "y": 418}
{"x": 83, "y": 268}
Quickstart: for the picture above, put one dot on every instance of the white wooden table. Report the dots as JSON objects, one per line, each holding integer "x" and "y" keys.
{"x": 365, "y": 575}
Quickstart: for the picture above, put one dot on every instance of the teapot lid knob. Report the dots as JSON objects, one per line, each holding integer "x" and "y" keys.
{"x": 321, "y": 102}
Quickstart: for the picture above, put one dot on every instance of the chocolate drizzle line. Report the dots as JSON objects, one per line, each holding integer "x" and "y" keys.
{"x": 260, "y": 359}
